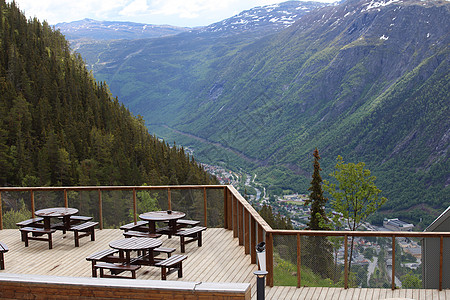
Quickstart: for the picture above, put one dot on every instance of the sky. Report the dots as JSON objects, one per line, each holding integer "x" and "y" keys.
{"x": 187, "y": 13}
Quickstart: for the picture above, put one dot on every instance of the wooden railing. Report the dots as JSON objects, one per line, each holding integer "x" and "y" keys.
{"x": 242, "y": 218}
{"x": 245, "y": 222}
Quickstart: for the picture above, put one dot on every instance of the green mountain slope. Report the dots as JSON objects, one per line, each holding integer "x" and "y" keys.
{"x": 368, "y": 80}
{"x": 59, "y": 126}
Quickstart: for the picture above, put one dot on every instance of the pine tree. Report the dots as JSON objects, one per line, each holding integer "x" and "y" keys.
{"x": 318, "y": 219}
{"x": 318, "y": 250}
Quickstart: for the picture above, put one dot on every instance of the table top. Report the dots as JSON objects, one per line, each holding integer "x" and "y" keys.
{"x": 135, "y": 243}
{"x": 56, "y": 212}
{"x": 162, "y": 215}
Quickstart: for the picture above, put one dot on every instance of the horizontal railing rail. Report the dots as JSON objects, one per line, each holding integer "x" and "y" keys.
{"x": 245, "y": 222}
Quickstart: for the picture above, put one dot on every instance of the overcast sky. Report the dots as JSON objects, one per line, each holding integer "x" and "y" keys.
{"x": 187, "y": 13}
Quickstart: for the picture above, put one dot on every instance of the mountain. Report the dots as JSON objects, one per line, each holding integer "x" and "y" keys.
{"x": 263, "y": 20}
{"x": 61, "y": 127}
{"x": 367, "y": 80}
{"x": 89, "y": 29}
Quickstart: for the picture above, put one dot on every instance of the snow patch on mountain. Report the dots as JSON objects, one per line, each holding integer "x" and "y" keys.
{"x": 274, "y": 17}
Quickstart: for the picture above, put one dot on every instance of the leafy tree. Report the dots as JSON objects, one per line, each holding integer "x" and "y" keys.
{"x": 411, "y": 281}
{"x": 355, "y": 196}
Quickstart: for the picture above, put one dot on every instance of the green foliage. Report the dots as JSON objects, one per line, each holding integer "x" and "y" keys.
{"x": 61, "y": 127}
{"x": 266, "y": 103}
{"x": 275, "y": 221}
{"x": 355, "y": 195}
{"x": 11, "y": 217}
{"x": 411, "y": 281}
{"x": 318, "y": 219}
{"x": 285, "y": 274}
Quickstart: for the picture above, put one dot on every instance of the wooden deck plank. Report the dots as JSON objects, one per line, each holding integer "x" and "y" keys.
{"x": 309, "y": 293}
{"x": 220, "y": 259}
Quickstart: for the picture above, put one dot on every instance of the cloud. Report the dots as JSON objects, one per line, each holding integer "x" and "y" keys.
{"x": 174, "y": 12}
{"x": 134, "y": 8}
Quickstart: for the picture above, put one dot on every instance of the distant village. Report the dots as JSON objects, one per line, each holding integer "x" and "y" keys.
{"x": 368, "y": 252}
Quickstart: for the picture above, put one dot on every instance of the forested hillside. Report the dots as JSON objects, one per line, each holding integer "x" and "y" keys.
{"x": 58, "y": 126}
{"x": 368, "y": 80}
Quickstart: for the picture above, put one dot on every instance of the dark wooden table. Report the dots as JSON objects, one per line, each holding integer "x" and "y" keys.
{"x": 144, "y": 246}
{"x": 160, "y": 216}
{"x": 56, "y": 212}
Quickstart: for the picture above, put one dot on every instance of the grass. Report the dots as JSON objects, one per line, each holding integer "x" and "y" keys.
{"x": 285, "y": 274}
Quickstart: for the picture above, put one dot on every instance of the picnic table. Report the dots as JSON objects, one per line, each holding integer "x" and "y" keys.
{"x": 143, "y": 246}
{"x": 56, "y": 212}
{"x": 162, "y": 216}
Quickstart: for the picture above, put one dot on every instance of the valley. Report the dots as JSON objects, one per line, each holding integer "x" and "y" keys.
{"x": 368, "y": 82}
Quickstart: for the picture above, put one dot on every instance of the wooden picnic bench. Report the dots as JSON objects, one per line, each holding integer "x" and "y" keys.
{"x": 104, "y": 256}
{"x": 182, "y": 223}
{"x": 159, "y": 250}
{"x": 3, "y": 249}
{"x": 36, "y": 233}
{"x": 170, "y": 265}
{"x": 34, "y": 222}
{"x": 138, "y": 226}
{"x": 87, "y": 228}
{"x": 133, "y": 233}
{"x": 116, "y": 269}
{"x": 74, "y": 220}
{"x": 194, "y": 233}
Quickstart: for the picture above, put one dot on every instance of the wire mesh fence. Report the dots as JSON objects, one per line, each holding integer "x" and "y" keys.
{"x": 320, "y": 261}
{"x": 116, "y": 207}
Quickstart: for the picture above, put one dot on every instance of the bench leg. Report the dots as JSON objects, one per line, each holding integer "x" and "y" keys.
{"x": 2, "y": 261}
{"x": 199, "y": 237}
{"x": 50, "y": 244}
{"x": 25, "y": 238}
{"x": 163, "y": 273}
{"x": 180, "y": 270}
{"x": 182, "y": 244}
{"x": 92, "y": 234}
{"x": 101, "y": 273}
{"x": 76, "y": 238}
{"x": 94, "y": 269}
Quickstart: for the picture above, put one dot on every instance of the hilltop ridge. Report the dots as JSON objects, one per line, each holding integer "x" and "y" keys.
{"x": 367, "y": 80}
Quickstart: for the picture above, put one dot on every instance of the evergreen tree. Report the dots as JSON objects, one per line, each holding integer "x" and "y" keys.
{"x": 318, "y": 250}
{"x": 318, "y": 219}
{"x": 61, "y": 127}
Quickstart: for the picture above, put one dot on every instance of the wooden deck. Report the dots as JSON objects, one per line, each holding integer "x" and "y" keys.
{"x": 220, "y": 259}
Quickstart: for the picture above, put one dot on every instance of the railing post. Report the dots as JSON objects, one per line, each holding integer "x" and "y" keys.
{"x": 441, "y": 262}
{"x": 269, "y": 258}
{"x": 100, "y": 208}
{"x": 299, "y": 261}
{"x": 205, "y": 208}
{"x": 1, "y": 212}
{"x": 66, "y": 202}
{"x": 241, "y": 223}
{"x": 393, "y": 263}
{"x": 225, "y": 208}
{"x": 134, "y": 206}
{"x": 246, "y": 232}
{"x": 235, "y": 216}
{"x": 32, "y": 204}
{"x": 260, "y": 234}
{"x": 230, "y": 209}
{"x": 169, "y": 198}
{"x": 253, "y": 240}
{"x": 345, "y": 261}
